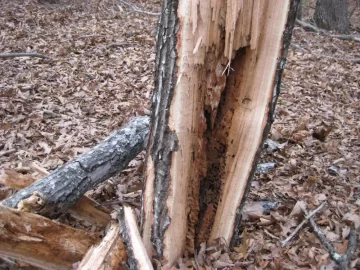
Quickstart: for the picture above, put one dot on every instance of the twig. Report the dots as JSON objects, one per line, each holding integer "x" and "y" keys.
{"x": 119, "y": 44}
{"x": 342, "y": 260}
{"x": 306, "y": 219}
{"x": 136, "y": 9}
{"x": 6, "y": 152}
{"x": 310, "y": 27}
{"x": 353, "y": 60}
{"x": 13, "y": 55}
{"x": 90, "y": 36}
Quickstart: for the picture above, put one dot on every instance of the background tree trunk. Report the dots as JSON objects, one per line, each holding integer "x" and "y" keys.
{"x": 332, "y": 15}
{"x": 219, "y": 66}
{"x": 299, "y": 13}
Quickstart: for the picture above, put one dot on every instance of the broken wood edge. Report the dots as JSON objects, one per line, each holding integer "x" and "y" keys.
{"x": 40, "y": 241}
{"x": 55, "y": 193}
{"x": 137, "y": 254}
{"x": 109, "y": 254}
{"x": 312, "y": 28}
{"x": 13, "y": 55}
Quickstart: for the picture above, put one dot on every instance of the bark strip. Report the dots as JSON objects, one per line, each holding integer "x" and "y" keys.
{"x": 41, "y": 242}
{"x": 58, "y": 191}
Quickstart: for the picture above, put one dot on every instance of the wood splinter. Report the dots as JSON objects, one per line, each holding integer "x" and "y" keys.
{"x": 109, "y": 254}
{"x": 137, "y": 255}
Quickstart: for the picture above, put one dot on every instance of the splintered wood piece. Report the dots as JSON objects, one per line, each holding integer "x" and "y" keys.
{"x": 218, "y": 73}
{"x": 84, "y": 209}
{"x": 109, "y": 254}
{"x": 136, "y": 252}
{"x": 41, "y": 242}
{"x": 58, "y": 191}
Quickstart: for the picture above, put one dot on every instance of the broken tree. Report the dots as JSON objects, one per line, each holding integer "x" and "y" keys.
{"x": 219, "y": 66}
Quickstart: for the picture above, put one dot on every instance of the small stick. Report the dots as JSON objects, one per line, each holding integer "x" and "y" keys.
{"x": 7, "y": 152}
{"x": 119, "y": 44}
{"x": 136, "y": 9}
{"x": 306, "y": 219}
{"x": 13, "y": 55}
{"x": 90, "y": 36}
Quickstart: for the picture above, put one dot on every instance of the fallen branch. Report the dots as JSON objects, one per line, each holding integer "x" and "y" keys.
{"x": 41, "y": 242}
{"x": 84, "y": 209}
{"x": 137, "y": 255}
{"x": 57, "y": 192}
{"x": 305, "y": 220}
{"x": 342, "y": 260}
{"x": 136, "y": 9}
{"x": 13, "y": 55}
{"x": 312, "y": 28}
{"x": 109, "y": 254}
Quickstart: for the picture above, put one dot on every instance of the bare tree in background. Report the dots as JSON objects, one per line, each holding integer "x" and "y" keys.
{"x": 332, "y": 15}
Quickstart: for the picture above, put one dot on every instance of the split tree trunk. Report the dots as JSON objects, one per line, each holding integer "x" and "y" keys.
{"x": 219, "y": 66}
{"x": 332, "y": 15}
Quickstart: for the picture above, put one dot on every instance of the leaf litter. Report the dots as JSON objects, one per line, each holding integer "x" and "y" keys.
{"x": 100, "y": 74}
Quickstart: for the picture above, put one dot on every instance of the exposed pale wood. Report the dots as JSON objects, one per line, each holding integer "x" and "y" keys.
{"x": 41, "y": 242}
{"x": 136, "y": 251}
{"x": 256, "y": 70}
{"x": 219, "y": 66}
{"x": 58, "y": 191}
{"x": 109, "y": 254}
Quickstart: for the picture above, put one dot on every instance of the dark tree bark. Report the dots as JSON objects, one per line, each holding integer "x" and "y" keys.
{"x": 299, "y": 13}
{"x": 219, "y": 66}
{"x": 58, "y": 191}
{"x": 332, "y": 15}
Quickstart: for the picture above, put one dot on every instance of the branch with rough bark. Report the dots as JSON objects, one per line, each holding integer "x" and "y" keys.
{"x": 58, "y": 191}
{"x": 312, "y": 28}
{"x": 13, "y": 55}
{"x": 84, "y": 209}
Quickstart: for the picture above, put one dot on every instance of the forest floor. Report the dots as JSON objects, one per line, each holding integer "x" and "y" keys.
{"x": 100, "y": 74}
